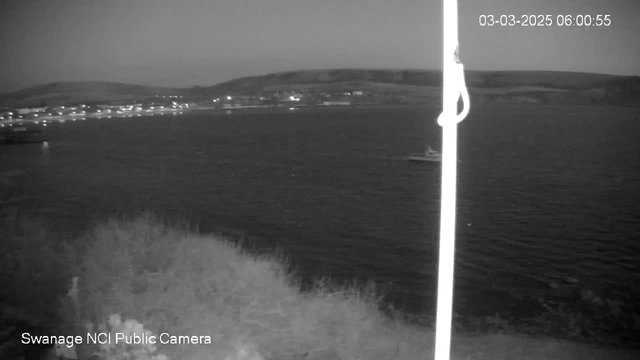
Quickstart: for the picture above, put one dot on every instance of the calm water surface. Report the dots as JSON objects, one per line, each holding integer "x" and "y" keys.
{"x": 544, "y": 193}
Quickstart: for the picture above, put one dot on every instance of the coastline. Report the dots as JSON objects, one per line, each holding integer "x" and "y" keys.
{"x": 284, "y": 108}
{"x": 211, "y": 109}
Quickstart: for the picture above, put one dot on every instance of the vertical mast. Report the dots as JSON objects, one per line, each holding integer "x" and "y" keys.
{"x": 453, "y": 86}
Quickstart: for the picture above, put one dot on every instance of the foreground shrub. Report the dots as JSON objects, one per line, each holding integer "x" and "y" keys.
{"x": 242, "y": 306}
{"x": 183, "y": 284}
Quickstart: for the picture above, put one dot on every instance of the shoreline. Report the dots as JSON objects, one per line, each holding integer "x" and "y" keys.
{"x": 212, "y": 109}
{"x": 280, "y": 108}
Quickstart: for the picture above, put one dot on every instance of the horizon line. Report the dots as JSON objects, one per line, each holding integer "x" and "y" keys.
{"x": 314, "y": 69}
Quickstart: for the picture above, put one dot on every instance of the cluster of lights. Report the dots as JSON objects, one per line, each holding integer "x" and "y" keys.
{"x": 74, "y": 112}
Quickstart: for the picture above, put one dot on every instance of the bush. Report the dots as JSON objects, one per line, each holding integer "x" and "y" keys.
{"x": 240, "y": 305}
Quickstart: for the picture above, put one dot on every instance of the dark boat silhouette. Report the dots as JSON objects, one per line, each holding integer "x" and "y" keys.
{"x": 429, "y": 155}
{"x": 21, "y": 135}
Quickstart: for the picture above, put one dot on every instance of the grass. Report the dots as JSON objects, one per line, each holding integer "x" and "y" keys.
{"x": 173, "y": 280}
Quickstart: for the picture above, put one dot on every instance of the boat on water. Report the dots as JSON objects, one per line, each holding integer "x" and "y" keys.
{"x": 429, "y": 155}
{"x": 21, "y": 135}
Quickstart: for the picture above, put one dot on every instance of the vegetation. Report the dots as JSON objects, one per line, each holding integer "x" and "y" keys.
{"x": 134, "y": 273}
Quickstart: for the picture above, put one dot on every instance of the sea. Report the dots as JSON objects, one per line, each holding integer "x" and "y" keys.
{"x": 545, "y": 194}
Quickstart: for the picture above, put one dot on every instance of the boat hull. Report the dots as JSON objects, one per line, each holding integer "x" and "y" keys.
{"x": 21, "y": 136}
{"x": 425, "y": 158}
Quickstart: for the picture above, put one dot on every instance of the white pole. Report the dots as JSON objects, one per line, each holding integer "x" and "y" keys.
{"x": 452, "y": 88}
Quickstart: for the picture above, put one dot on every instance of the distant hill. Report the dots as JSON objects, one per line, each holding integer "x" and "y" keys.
{"x": 491, "y": 79}
{"x": 425, "y": 85}
{"x": 410, "y": 86}
{"x": 62, "y": 93}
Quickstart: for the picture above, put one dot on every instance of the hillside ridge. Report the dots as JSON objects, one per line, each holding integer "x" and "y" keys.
{"x": 414, "y": 85}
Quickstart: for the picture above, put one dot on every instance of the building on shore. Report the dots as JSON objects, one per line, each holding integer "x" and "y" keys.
{"x": 24, "y": 111}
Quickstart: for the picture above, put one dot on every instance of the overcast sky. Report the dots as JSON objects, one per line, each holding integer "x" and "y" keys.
{"x": 203, "y": 42}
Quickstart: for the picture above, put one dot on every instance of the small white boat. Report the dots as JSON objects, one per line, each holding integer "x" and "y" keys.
{"x": 429, "y": 155}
